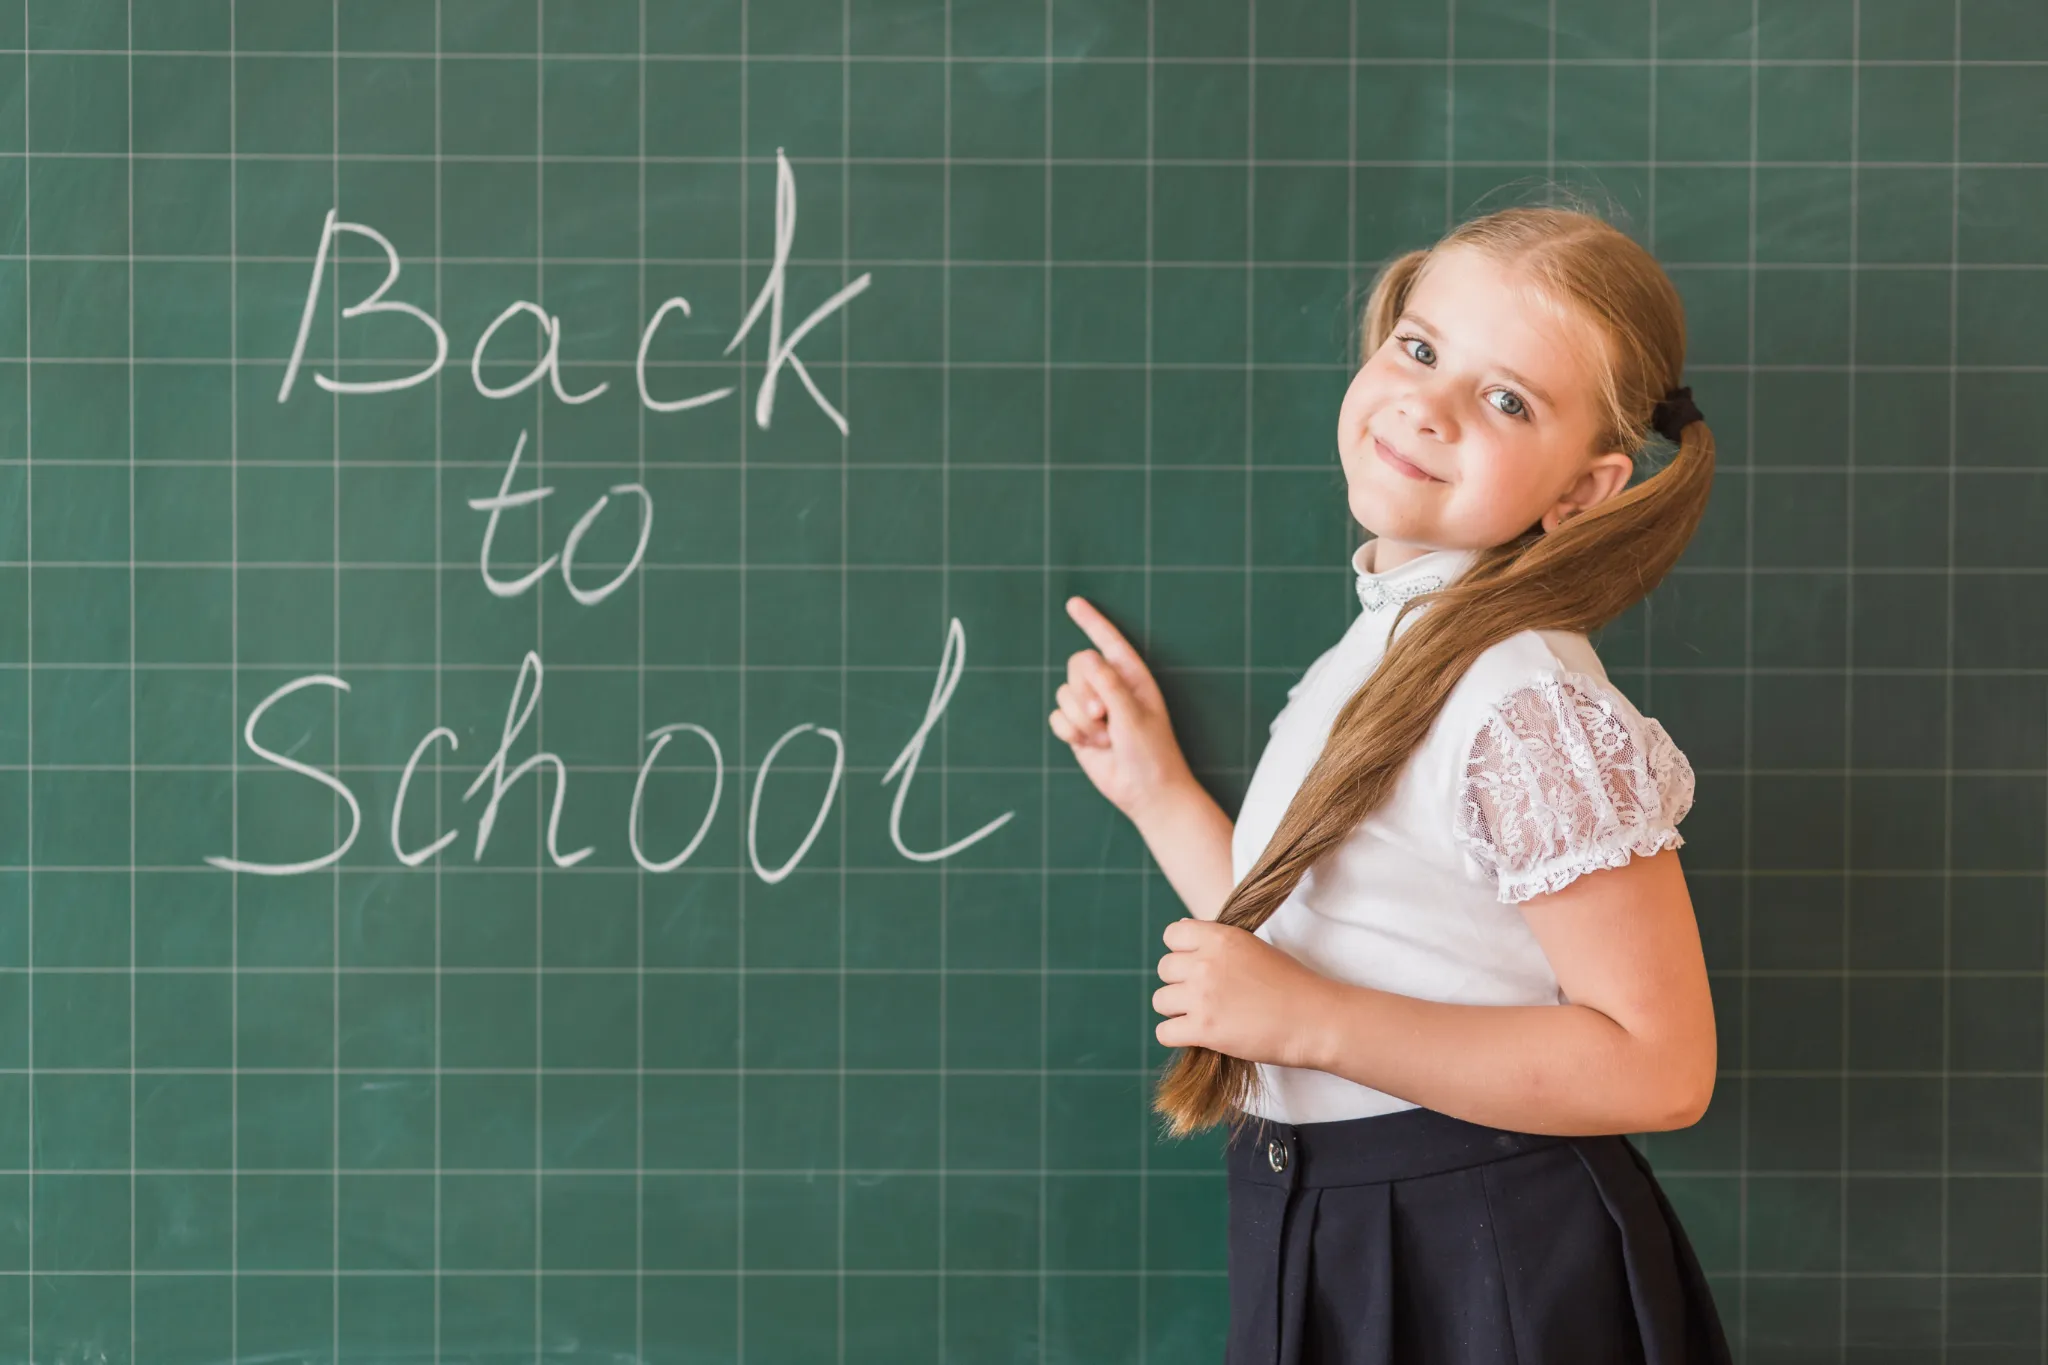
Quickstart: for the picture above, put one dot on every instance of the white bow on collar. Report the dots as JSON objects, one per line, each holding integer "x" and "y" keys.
{"x": 1374, "y": 593}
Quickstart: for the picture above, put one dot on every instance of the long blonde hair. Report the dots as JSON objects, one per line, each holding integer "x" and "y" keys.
{"x": 1587, "y": 572}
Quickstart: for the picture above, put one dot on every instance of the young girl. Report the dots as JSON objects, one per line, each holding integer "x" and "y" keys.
{"x": 1446, "y": 956}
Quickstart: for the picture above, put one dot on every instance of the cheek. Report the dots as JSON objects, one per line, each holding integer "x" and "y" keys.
{"x": 1503, "y": 477}
{"x": 1359, "y": 401}
{"x": 1502, "y": 485}
{"x": 1353, "y": 401}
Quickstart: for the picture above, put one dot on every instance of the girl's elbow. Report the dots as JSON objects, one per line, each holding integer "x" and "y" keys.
{"x": 1687, "y": 1093}
{"x": 1689, "y": 1108}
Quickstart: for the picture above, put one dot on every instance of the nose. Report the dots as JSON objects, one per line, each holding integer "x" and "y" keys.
{"x": 1428, "y": 410}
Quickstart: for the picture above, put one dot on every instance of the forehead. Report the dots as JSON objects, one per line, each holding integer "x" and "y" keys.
{"x": 1488, "y": 315}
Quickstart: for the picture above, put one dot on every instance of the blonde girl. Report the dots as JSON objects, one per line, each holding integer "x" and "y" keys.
{"x": 1445, "y": 955}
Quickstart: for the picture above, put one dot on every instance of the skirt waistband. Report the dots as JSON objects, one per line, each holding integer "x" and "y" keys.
{"x": 1402, "y": 1145}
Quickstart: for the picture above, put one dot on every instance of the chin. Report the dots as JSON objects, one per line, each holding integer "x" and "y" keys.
{"x": 1382, "y": 516}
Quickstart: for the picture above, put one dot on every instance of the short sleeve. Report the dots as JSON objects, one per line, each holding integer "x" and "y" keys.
{"x": 1565, "y": 777}
{"x": 1308, "y": 676}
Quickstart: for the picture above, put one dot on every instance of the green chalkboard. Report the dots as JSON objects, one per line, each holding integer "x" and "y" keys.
{"x": 531, "y": 547}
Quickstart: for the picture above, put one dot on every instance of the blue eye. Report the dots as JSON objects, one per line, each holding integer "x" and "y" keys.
{"x": 1425, "y": 359}
{"x": 1520, "y": 409}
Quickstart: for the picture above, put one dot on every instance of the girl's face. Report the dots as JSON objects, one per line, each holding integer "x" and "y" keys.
{"x": 1476, "y": 419}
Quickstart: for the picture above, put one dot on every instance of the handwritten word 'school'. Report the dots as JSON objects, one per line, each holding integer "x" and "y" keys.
{"x": 496, "y": 776}
{"x": 781, "y": 349}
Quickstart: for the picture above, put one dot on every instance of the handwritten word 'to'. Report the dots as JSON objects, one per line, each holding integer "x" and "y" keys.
{"x": 505, "y": 497}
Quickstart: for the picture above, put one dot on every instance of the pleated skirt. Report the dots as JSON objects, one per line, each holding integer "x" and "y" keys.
{"x": 1415, "y": 1238}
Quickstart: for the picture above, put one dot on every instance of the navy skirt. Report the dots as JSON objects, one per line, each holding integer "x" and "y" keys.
{"x": 1418, "y": 1238}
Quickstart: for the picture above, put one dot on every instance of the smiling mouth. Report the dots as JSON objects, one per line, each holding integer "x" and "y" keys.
{"x": 1386, "y": 453}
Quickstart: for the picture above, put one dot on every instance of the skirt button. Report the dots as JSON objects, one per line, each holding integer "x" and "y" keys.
{"x": 1276, "y": 1154}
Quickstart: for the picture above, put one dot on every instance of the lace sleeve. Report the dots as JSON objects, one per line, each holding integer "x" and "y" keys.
{"x": 1566, "y": 777}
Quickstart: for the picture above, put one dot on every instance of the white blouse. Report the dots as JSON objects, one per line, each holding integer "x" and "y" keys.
{"x": 1537, "y": 770}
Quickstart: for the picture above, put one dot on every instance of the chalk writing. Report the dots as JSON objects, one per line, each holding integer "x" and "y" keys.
{"x": 781, "y": 349}
{"x": 499, "y": 778}
{"x": 499, "y": 773}
{"x": 497, "y": 503}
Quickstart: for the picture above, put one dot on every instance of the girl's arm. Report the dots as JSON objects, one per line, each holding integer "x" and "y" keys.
{"x": 1633, "y": 1051}
{"x": 1113, "y": 716}
{"x": 1189, "y": 836}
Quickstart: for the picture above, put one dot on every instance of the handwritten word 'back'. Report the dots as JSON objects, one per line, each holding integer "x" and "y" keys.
{"x": 781, "y": 349}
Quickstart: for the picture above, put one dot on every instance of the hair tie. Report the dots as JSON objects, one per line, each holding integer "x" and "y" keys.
{"x": 1673, "y": 414}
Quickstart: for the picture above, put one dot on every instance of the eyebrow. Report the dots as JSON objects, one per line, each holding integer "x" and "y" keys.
{"x": 1535, "y": 390}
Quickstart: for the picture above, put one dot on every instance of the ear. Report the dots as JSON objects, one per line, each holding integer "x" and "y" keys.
{"x": 1601, "y": 478}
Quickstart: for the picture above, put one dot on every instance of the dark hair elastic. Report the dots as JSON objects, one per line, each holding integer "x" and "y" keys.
{"x": 1674, "y": 413}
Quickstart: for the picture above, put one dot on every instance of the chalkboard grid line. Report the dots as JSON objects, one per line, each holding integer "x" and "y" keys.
{"x": 619, "y": 365}
{"x": 1948, "y": 686}
{"x": 945, "y": 600}
{"x": 1210, "y": 162}
{"x": 28, "y": 347}
{"x": 541, "y": 846}
{"x": 1192, "y": 1177}
{"x": 1245, "y": 751}
{"x": 1845, "y": 1021}
{"x": 743, "y": 159}
{"x": 373, "y": 973}
{"x": 845, "y": 643}
{"x": 1770, "y": 1073}
{"x": 1092, "y": 366}
{"x": 132, "y": 754}
{"x": 1045, "y": 614}
{"x": 1091, "y": 59}
{"x": 1192, "y": 670}
{"x": 440, "y": 481}
{"x": 1776, "y": 1073}
{"x": 1450, "y": 112}
{"x": 597, "y": 561}
{"x": 359, "y": 256}
{"x": 235, "y": 695}
{"x": 1742, "y": 1179}
{"x": 1354, "y": 310}
{"x": 1550, "y": 103}
{"x": 260, "y": 1273}
{"x": 640, "y": 731}
{"x": 1761, "y": 874}
{"x": 1650, "y": 238}
{"x": 1150, "y": 1039}
{"x": 1747, "y": 858}
{"x": 2041, "y": 1310}
{"x": 334, "y": 718}
{"x": 745, "y": 205}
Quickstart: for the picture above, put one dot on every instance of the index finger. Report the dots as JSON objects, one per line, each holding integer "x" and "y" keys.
{"x": 1106, "y": 637}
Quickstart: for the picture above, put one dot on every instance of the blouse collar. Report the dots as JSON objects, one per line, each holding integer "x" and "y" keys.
{"x": 1385, "y": 591}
